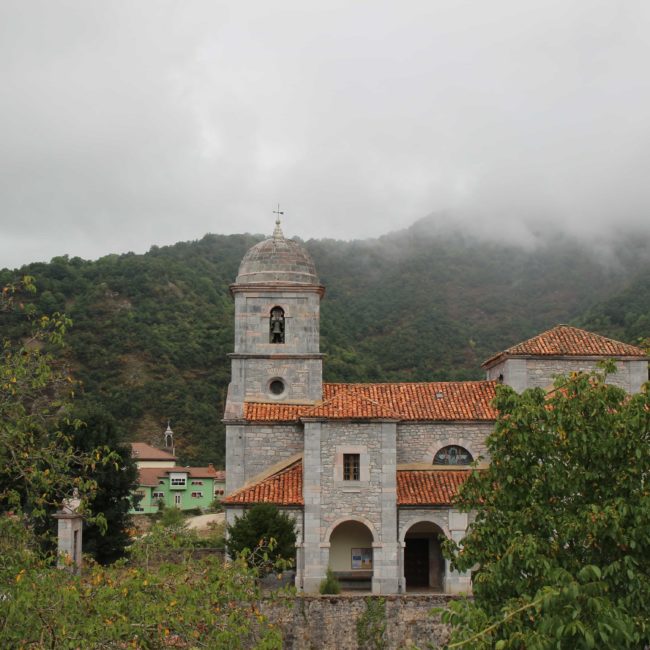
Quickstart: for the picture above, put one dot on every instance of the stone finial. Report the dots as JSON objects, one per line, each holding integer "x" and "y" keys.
{"x": 277, "y": 233}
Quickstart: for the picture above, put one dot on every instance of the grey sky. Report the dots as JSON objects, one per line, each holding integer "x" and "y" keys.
{"x": 126, "y": 124}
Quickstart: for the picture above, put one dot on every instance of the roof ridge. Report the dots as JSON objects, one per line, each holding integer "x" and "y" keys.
{"x": 348, "y": 389}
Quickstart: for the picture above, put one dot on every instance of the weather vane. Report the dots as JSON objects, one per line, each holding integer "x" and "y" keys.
{"x": 277, "y": 233}
{"x": 278, "y": 212}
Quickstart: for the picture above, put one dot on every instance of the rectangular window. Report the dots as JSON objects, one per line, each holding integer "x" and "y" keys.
{"x": 197, "y": 495}
{"x": 351, "y": 467}
{"x": 158, "y": 495}
{"x": 197, "y": 482}
{"x": 178, "y": 481}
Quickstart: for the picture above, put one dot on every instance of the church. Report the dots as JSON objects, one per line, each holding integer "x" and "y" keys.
{"x": 367, "y": 471}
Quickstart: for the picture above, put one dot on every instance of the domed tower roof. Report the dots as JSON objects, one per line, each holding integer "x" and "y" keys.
{"x": 277, "y": 260}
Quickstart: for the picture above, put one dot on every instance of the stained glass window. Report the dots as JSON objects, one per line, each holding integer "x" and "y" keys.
{"x": 453, "y": 455}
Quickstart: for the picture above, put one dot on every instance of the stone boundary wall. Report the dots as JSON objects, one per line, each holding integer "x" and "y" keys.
{"x": 330, "y": 622}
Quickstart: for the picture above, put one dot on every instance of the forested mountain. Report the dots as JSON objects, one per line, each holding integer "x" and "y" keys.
{"x": 151, "y": 332}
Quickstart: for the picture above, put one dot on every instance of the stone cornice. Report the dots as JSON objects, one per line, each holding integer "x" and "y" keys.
{"x": 277, "y": 286}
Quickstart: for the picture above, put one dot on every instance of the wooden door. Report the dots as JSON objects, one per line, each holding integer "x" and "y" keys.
{"x": 416, "y": 562}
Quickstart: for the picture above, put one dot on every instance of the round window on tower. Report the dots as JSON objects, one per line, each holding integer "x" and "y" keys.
{"x": 277, "y": 387}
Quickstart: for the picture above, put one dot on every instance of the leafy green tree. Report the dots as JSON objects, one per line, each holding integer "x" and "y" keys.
{"x": 39, "y": 465}
{"x": 258, "y": 526}
{"x": 116, "y": 481}
{"x": 560, "y": 547}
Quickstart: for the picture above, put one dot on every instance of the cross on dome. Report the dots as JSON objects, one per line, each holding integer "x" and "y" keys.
{"x": 277, "y": 233}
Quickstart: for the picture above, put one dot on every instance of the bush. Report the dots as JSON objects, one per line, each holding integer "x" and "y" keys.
{"x": 330, "y": 584}
{"x": 263, "y": 526}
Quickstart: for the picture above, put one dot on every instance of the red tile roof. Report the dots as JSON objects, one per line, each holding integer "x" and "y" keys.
{"x": 437, "y": 401}
{"x": 429, "y": 487}
{"x": 143, "y": 451}
{"x": 284, "y": 488}
{"x": 149, "y": 476}
{"x": 414, "y": 487}
{"x": 564, "y": 340}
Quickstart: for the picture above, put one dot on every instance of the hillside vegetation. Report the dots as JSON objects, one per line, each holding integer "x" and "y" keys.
{"x": 152, "y": 332}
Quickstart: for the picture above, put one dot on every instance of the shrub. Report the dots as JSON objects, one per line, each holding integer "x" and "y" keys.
{"x": 330, "y": 584}
{"x": 263, "y": 526}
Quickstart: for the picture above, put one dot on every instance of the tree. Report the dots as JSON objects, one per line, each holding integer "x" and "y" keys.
{"x": 560, "y": 546}
{"x": 261, "y": 524}
{"x": 39, "y": 465}
{"x": 115, "y": 482}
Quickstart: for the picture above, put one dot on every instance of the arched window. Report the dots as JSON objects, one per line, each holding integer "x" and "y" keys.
{"x": 276, "y": 325}
{"x": 453, "y": 455}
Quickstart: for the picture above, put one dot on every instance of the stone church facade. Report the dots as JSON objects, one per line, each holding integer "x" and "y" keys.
{"x": 367, "y": 471}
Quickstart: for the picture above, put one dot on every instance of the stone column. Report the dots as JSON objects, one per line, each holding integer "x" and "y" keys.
{"x": 69, "y": 540}
{"x": 386, "y": 554}
{"x": 313, "y": 553}
{"x": 457, "y": 582}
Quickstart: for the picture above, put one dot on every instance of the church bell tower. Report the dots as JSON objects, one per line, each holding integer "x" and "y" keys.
{"x": 277, "y": 320}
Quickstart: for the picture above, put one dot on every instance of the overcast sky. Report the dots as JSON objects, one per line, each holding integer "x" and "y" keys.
{"x": 127, "y": 124}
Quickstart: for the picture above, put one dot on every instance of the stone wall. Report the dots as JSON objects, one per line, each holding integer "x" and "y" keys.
{"x": 522, "y": 373}
{"x": 330, "y": 622}
{"x": 251, "y": 449}
{"x": 419, "y": 442}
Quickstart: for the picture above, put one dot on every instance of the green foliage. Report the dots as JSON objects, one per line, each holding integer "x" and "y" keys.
{"x": 189, "y": 604}
{"x": 172, "y": 517}
{"x": 330, "y": 583}
{"x": 39, "y": 464}
{"x": 560, "y": 543}
{"x": 258, "y": 526}
{"x": 115, "y": 482}
{"x": 371, "y": 625}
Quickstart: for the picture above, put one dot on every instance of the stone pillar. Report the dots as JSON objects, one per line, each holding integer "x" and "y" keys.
{"x": 457, "y": 582}
{"x": 69, "y": 540}
{"x": 385, "y": 578}
{"x": 313, "y": 552}
{"x": 401, "y": 580}
{"x": 235, "y": 461}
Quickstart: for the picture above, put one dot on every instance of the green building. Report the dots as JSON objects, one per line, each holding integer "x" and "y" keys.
{"x": 161, "y": 480}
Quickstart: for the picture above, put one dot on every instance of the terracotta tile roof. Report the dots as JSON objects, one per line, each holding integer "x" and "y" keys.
{"x": 143, "y": 451}
{"x": 564, "y": 340}
{"x": 284, "y": 488}
{"x": 414, "y": 487}
{"x": 347, "y": 402}
{"x": 437, "y": 401}
{"x": 429, "y": 487}
{"x": 149, "y": 476}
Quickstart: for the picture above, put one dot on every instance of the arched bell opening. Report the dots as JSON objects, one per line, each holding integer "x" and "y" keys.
{"x": 351, "y": 555}
{"x": 276, "y": 325}
{"x": 424, "y": 564}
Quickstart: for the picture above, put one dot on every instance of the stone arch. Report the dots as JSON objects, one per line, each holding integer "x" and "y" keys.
{"x": 362, "y": 520}
{"x": 426, "y": 518}
{"x": 446, "y": 442}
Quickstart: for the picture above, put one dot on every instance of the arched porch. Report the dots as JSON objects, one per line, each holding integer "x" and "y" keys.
{"x": 351, "y": 554}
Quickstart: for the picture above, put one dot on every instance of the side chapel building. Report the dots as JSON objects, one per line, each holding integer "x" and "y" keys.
{"x": 368, "y": 471}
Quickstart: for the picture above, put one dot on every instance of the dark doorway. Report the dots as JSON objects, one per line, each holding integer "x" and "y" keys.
{"x": 416, "y": 562}
{"x": 424, "y": 565}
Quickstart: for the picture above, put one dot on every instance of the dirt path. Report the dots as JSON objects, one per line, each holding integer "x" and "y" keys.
{"x": 202, "y": 522}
